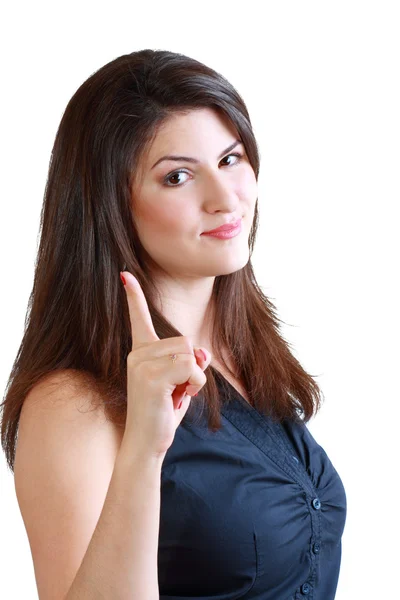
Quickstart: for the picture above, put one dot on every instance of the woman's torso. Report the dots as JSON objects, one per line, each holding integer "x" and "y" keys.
{"x": 254, "y": 511}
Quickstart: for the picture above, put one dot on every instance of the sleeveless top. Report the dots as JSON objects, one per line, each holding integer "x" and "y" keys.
{"x": 254, "y": 511}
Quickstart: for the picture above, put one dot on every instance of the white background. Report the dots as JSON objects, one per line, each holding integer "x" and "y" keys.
{"x": 321, "y": 82}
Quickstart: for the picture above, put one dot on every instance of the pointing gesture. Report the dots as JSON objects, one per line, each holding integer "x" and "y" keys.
{"x": 160, "y": 375}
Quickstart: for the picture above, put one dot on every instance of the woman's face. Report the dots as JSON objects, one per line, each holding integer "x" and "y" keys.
{"x": 173, "y": 209}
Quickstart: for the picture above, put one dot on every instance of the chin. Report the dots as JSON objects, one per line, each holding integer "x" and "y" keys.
{"x": 219, "y": 268}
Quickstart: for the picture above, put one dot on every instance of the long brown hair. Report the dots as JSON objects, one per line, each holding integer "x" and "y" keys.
{"x": 78, "y": 317}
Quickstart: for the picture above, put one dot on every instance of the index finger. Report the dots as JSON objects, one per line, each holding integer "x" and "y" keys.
{"x": 141, "y": 323}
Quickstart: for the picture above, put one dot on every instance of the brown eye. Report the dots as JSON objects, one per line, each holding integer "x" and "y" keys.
{"x": 174, "y": 174}
{"x": 239, "y": 156}
{"x": 167, "y": 178}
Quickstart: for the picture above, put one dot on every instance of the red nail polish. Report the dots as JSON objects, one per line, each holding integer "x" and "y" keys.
{"x": 180, "y": 404}
{"x": 122, "y": 279}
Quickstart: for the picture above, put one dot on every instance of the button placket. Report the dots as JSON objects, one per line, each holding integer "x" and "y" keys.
{"x": 315, "y": 514}
{"x": 290, "y": 465}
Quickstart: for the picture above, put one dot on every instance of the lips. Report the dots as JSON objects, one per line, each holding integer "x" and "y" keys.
{"x": 225, "y": 227}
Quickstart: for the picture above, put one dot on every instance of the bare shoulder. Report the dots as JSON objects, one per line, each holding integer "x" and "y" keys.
{"x": 63, "y": 405}
{"x": 67, "y": 391}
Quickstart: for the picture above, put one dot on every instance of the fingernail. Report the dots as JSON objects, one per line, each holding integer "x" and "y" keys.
{"x": 201, "y": 353}
{"x": 122, "y": 279}
{"x": 180, "y": 404}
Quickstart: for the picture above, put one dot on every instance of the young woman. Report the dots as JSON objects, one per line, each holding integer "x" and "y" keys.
{"x": 190, "y": 472}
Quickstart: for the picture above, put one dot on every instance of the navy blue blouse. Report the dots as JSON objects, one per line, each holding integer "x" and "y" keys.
{"x": 254, "y": 511}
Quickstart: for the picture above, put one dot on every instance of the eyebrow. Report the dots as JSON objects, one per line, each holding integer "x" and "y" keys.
{"x": 194, "y": 160}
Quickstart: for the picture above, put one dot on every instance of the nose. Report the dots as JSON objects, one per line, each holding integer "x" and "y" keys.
{"x": 220, "y": 193}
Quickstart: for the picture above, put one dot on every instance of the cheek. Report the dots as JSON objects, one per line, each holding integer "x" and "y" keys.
{"x": 248, "y": 186}
{"x": 163, "y": 220}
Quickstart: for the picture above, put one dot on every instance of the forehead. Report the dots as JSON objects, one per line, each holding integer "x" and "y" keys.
{"x": 187, "y": 130}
